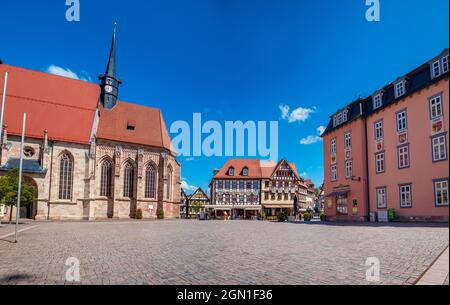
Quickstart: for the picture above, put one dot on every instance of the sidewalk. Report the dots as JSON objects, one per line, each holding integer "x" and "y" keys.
{"x": 7, "y": 229}
{"x": 438, "y": 272}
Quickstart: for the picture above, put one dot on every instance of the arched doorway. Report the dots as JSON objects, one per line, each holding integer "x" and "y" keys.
{"x": 29, "y": 211}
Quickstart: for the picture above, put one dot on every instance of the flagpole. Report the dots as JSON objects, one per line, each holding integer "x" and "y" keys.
{"x": 2, "y": 112}
{"x": 3, "y": 104}
{"x": 19, "y": 191}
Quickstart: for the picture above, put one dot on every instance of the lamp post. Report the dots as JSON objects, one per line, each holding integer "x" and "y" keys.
{"x": 5, "y": 84}
{"x": 19, "y": 190}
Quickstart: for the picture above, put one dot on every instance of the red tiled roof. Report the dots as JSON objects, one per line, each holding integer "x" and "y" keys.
{"x": 149, "y": 126}
{"x": 254, "y": 169}
{"x": 257, "y": 169}
{"x": 65, "y": 107}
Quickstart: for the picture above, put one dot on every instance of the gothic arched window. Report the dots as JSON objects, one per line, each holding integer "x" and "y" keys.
{"x": 150, "y": 182}
{"x": 105, "y": 179}
{"x": 128, "y": 180}
{"x": 65, "y": 177}
{"x": 169, "y": 183}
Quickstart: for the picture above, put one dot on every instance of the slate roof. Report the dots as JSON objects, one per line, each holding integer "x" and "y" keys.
{"x": 417, "y": 79}
{"x": 29, "y": 166}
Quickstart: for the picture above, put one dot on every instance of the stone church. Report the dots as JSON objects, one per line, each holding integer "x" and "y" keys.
{"x": 89, "y": 155}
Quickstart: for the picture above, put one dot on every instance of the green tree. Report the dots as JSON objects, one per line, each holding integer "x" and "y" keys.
{"x": 196, "y": 207}
{"x": 9, "y": 186}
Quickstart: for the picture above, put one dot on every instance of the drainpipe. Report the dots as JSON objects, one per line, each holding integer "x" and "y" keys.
{"x": 50, "y": 184}
{"x": 366, "y": 155}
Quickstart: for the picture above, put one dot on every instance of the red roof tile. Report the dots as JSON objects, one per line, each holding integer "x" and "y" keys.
{"x": 65, "y": 107}
{"x": 254, "y": 169}
{"x": 149, "y": 126}
{"x": 257, "y": 169}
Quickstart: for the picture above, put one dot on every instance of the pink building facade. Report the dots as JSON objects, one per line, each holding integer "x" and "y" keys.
{"x": 389, "y": 151}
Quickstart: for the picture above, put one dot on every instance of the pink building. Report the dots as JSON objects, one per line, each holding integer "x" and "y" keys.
{"x": 390, "y": 150}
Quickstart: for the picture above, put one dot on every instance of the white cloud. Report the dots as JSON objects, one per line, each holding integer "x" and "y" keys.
{"x": 299, "y": 114}
{"x": 310, "y": 140}
{"x": 53, "y": 69}
{"x": 187, "y": 187}
{"x": 313, "y": 138}
{"x": 284, "y": 111}
{"x": 320, "y": 130}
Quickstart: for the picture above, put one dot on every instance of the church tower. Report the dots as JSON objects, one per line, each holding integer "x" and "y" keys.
{"x": 109, "y": 82}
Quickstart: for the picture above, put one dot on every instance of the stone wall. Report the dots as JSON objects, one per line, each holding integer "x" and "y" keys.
{"x": 86, "y": 202}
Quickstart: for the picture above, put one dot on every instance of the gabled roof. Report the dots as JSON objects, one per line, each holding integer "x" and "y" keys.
{"x": 65, "y": 107}
{"x": 268, "y": 168}
{"x": 149, "y": 126}
{"x": 199, "y": 190}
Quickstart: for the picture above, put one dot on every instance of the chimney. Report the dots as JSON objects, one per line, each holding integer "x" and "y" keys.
{"x": 216, "y": 171}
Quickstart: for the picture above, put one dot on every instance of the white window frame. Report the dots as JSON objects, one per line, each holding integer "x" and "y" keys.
{"x": 436, "y": 68}
{"x": 379, "y": 132}
{"x": 333, "y": 146}
{"x": 441, "y": 186}
{"x": 402, "y": 120}
{"x": 439, "y": 143}
{"x": 348, "y": 140}
{"x": 377, "y": 100}
{"x": 340, "y": 118}
{"x": 381, "y": 193}
{"x": 405, "y": 191}
{"x": 444, "y": 64}
{"x": 333, "y": 172}
{"x": 436, "y": 110}
{"x": 400, "y": 88}
{"x": 348, "y": 169}
{"x": 380, "y": 159}
{"x": 403, "y": 151}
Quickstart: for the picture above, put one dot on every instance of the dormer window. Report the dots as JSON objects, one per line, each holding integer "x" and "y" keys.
{"x": 131, "y": 125}
{"x": 377, "y": 100}
{"x": 340, "y": 118}
{"x": 231, "y": 171}
{"x": 400, "y": 88}
{"x": 444, "y": 62}
{"x": 245, "y": 172}
{"x": 436, "y": 69}
{"x": 439, "y": 66}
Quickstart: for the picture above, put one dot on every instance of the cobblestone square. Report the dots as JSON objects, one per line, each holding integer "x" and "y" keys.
{"x": 218, "y": 252}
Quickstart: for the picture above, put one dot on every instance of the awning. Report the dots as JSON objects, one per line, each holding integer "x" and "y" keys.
{"x": 277, "y": 206}
{"x": 337, "y": 194}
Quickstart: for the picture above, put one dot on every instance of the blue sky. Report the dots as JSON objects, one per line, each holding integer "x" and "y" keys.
{"x": 233, "y": 59}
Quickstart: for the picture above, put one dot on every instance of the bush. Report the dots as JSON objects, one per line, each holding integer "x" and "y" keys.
{"x": 281, "y": 216}
{"x": 307, "y": 216}
{"x": 139, "y": 214}
{"x": 262, "y": 215}
{"x": 160, "y": 214}
{"x": 391, "y": 214}
{"x": 323, "y": 217}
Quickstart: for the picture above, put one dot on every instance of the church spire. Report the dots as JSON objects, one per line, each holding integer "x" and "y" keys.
{"x": 111, "y": 68}
{"x": 109, "y": 82}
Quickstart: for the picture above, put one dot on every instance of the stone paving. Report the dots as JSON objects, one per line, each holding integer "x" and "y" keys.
{"x": 219, "y": 252}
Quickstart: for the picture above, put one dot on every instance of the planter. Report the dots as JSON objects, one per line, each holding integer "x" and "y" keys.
{"x": 355, "y": 211}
